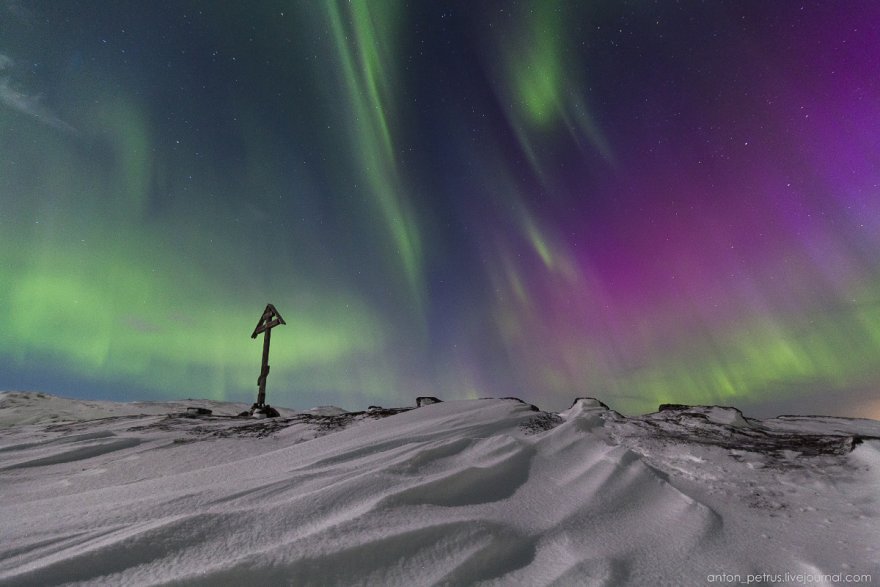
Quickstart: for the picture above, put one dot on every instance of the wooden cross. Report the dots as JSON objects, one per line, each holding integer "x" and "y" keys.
{"x": 270, "y": 319}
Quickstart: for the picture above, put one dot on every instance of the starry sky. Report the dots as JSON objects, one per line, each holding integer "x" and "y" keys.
{"x": 645, "y": 202}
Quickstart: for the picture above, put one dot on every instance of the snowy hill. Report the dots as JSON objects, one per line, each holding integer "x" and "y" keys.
{"x": 456, "y": 493}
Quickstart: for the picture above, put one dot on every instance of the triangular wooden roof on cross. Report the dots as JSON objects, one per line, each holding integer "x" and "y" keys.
{"x": 270, "y": 319}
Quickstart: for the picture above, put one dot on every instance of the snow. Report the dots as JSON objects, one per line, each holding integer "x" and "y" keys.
{"x": 454, "y": 493}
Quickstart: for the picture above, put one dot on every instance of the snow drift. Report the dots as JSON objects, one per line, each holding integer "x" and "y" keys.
{"x": 488, "y": 492}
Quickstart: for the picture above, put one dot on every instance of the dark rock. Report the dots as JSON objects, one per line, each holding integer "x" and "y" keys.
{"x": 541, "y": 422}
{"x": 851, "y": 443}
{"x": 377, "y": 412}
{"x": 265, "y": 411}
{"x": 673, "y": 407}
{"x": 427, "y": 400}
{"x": 199, "y": 411}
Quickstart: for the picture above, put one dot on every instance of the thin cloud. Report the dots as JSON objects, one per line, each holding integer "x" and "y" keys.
{"x": 25, "y": 103}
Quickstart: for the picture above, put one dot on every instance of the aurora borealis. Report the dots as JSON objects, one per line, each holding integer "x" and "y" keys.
{"x": 644, "y": 202}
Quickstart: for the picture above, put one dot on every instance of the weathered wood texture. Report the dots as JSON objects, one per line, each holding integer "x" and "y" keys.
{"x": 269, "y": 320}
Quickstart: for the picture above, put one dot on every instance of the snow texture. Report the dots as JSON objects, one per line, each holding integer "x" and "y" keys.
{"x": 477, "y": 492}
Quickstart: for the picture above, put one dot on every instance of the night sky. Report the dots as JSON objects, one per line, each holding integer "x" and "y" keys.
{"x": 644, "y": 202}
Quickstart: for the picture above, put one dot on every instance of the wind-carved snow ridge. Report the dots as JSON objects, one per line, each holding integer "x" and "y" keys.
{"x": 477, "y": 492}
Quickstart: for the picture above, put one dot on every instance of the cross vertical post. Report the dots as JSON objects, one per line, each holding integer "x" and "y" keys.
{"x": 269, "y": 320}
{"x": 264, "y": 370}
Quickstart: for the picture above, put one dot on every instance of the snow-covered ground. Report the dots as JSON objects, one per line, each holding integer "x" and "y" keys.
{"x": 454, "y": 493}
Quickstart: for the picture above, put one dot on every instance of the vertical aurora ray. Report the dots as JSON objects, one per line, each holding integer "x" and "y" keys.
{"x": 364, "y": 35}
{"x": 541, "y": 80}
